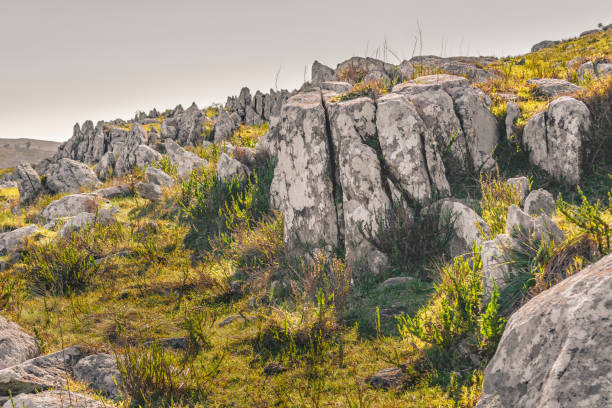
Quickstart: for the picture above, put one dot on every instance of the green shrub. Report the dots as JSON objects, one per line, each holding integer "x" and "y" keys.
{"x": 154, "y": 376}
{"x": 60, "y": 267}
{"x": 214, "y": 207}
{"x": 589, "y": 219}
{"x": 491, "y": 324}
{"x": 165, "y": 165}
{"x": 412, "y": 241}
{"x": 497, "y": 196}
{"x": 455, "y": 309}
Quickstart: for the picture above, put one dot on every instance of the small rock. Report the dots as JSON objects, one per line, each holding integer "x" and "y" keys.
{"x": 69, "y": 206}
{"x": 512, "y": 113}
{"x": 149, "y": 191}
{"x": 14, "y": 241}
{"x": 395, "y": 281}
{"x": 391, "y": 377}
{"x": 157, "y": 176}
{"x": 518, "y": 220}
{"x": 335, "y": 86}
{"x": 554, "y": 87}
{"x": 274, "y": 368}
{"x": 100, "y": 371}
{"x": 28, "y": 183}
{"x": 321, "y": 73}
{"x": 229, "y": 320}
{"x": 113, "y": 192}
{"x": 521, "y": 184}
{"x": 540, "y": 202}
{"x": 16, "y": 346}
{"x": 227, "y": 168}
{"x": 53, "y": 399}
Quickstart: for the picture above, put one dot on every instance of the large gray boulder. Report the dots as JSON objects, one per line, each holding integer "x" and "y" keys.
{"x": 69, "y": 206}
{"x": 70, "y": 176}
{"x": 53, "y": 399}
{"x": 554, "y": 138}
{"x": 16, "y": 346}
{"x": 407, "y": 147}
{"x": 321, "y": 73}
{"x": 28, "y": 183}
{"x": 302, "y": 188}
{"x": 39, "y": 373}
{"x": 552, "y": 87}
{"x": 555, "y": 350}
{"x": 101, "y": 372}
{"x": 14, "y": 241}
{"x": 364, "y": 200}
{"x": 359, "y": 68}
{"x": 185, "y": 161}
{"x": 134, "y": 152}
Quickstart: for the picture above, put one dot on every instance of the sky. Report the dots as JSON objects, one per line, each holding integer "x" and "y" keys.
{"x": 67, "y": 61}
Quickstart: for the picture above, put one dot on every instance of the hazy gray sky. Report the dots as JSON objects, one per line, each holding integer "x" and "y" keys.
{"x": 66, "y": 61}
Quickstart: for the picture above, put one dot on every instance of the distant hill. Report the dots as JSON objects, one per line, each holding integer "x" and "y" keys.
{"x": 13, "y": 151}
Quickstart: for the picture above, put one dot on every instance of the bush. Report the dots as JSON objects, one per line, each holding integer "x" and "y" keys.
{"x": 61, "y": 267}
{"x": 455, "y": 309}
{"x": 214, "y": 207}
{"x": 372, "y": 89}
{"x": 165, "y": 165}
{"x": 247, "y": 136}
{"x": 412, "y": 241}
{"x": 497, "y": 196}
{"x": 154, "y": 376}
{"x": 589, "y": 219}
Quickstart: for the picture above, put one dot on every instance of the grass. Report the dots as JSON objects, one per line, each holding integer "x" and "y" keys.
{"x": 247, "y": 136}
{"x": 211, "y": 250}
{"x": 371, "y": 88}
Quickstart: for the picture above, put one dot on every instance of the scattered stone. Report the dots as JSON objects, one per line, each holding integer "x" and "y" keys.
{"x": 53, "y": 399}
{"x": 16, "y": 346}
{"x": 149, "y": 191}
{"x": 467, "y": 226}
{"x": 552, "y": 88}
{"x": 39, "y": 373}
{"x": 101, "y": 372}
{"x": 85, "y": 220}
{"x": 69, "y": 206}
{"x": 391, "y": 377}
{"x": 496, "y": 270}
{"x": 520, "y": 221}
{"x": 229, "y": 320}
{"x": 175, "y": 343}
{"x": 540, "y": 202}
{"x": 274, "y": 368}
{"x": 521, "y": 184}
{"x": 224, "y": 127}
{"x": 546, "y": 229}
{"x": 28, "y": 183}
{"x": 157, "y": 176}
{"x": 121, "y": 190}
{"x": 395, "y": 281}
{"x": 555, "y": 350}
{"x": 15, "y": 241}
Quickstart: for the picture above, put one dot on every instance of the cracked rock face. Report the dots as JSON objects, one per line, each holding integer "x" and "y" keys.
{"x": 554, "y": 138}
{"x": 28, "y": 183}
{"x": 555, "y": 350}
{"x": 406, "y": 144}
{"x": 364, "y": 201}
{"x": 302, "y": 187}
{"x": 69, "y": 176}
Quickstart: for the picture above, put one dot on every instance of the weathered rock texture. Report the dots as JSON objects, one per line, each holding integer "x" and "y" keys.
{"x": 53, "y": 399}
{"x": 16, "y": 346}
{"x": 555, "y": 350}
{"x": 28, "y": 182}
{"x": 554, "y": 138}
{"x": 101, "y": 373}
{"x": 342, "y": 163}
{"x": 14, "y": 241}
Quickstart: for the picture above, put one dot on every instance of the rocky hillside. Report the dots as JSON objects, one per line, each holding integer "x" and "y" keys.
{"x": 435, "y": 233}
{"x": 15, "y": 151}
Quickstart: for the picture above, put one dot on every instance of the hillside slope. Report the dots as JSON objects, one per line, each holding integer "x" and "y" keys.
{"x": 360, "y": 242}
{"x": 14, "y": 151}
